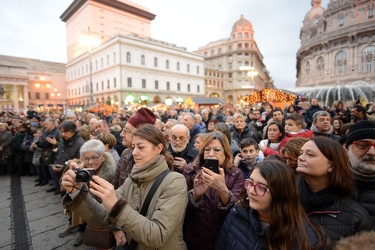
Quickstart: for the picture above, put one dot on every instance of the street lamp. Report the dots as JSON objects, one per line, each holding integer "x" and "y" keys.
{"x": 43, "y": 85}
{"x": 179, "y": 100}
{"x": 250, "y": 72}
{"x": 91, "y": 42}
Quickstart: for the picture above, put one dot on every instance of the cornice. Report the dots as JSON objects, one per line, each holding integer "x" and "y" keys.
{"x": 77, "y": 4}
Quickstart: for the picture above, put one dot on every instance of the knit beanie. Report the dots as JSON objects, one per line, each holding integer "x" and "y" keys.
{"x": 143, "y": 116}
{"x": 361, "y": 130}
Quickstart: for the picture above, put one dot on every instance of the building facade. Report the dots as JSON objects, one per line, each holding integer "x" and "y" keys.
{"x": 338, "y": 46}
{"x": 234, "y": 66}
{"x": 25, "y": 81}
{"x": 118, "y": 63}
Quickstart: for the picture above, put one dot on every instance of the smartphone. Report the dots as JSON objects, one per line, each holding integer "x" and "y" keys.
{"x": 212, "y": 164}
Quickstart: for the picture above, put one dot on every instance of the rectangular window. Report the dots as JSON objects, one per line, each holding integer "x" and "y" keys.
{"x": 178, "y": 87}
{"x": 102, "y": 85}
{"x": 37, "y": 95}
{"x": 108, "y": 84}
{"x": 97, "y": 86}
{"x": 47, "y": 96}
{"x": 239, "y": 46}
{"x": 168, "y": 86}
{"x": 143, "y": 83}
{"x": 219, "y": 50}
{"x": 114, "y": 57}
{"x": 370, "y": 13}
{"x": 156, "y": 84}
{"x": 198, "y": 89}
{"x": 114, "y": 83}
{"x": 341, "y": 21}
{"x": 129, "y": 82}
{"x": 188, "y": 87}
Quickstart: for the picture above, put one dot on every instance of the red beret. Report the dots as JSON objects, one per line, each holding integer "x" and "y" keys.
{"x": 143, "y": 116}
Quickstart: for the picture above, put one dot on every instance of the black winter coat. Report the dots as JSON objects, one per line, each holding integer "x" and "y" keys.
{"x": 242, "y": 230}
{"x": 365, "y": 193}
{"x": 246, "y": 133}
{"x": 339, "y": 216}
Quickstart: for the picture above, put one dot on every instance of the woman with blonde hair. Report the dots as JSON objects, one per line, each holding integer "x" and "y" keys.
{"x": 109, "y": 142}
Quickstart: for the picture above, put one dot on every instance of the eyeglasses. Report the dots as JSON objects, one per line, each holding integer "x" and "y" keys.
{"x": 93, "y": 158}
{"x": 127, "y": 131}
{"x": 259, "y": 189}
{"x": 363, "y": 145}
{"x": 216, "y": 150}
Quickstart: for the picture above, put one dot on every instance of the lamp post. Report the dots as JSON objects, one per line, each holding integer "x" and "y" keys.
{"x": 250, "y": 72}
{"x": 43, "y": 85}
{"x": 90, "y": 41}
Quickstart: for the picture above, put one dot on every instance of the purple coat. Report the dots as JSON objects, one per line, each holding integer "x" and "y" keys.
{"x": 204, "y": 218}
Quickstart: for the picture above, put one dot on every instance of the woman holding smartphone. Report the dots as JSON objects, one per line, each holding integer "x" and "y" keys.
{"x": 269, "y": 215}
{"x": 210, "y": 195}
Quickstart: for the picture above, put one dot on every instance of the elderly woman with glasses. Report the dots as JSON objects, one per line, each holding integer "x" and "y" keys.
{"x": 94, "y": 156}
{"x": 269, "y": 215}
{"x": 211, "y": 195}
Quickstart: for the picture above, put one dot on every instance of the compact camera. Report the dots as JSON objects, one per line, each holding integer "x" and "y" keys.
{"x": 84, "y": 175}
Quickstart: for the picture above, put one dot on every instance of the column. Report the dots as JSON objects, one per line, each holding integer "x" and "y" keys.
{"x": 25, "y": 95}
{"x": 15, "y": 99}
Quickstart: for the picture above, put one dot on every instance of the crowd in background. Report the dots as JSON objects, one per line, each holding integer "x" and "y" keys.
{"x": 300, "y": 177}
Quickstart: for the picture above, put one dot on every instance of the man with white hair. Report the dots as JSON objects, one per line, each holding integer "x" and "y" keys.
{"x": 360, "y": 142}
{"x": 189, "y": 122}
{"x": 179, "y": 147}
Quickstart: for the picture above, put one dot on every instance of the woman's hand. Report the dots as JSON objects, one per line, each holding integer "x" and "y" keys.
{"x": 217, "y": 182}
{"x": 262, "y": 146}
{"x": 104, "y": 190}
{"x": 214, "y": 180}
{"x": 69, "y": 178}
{"x": 199, "y": 187}
{"x": 120, "y": 237}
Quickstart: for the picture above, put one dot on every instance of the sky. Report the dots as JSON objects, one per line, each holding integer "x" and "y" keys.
{"x": 33, "y": 28}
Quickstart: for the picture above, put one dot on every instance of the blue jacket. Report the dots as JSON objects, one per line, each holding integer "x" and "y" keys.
{"x": 197, "y": 129}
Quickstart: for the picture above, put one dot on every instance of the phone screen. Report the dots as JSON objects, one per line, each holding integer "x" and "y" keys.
{"x": 212, "y": 164}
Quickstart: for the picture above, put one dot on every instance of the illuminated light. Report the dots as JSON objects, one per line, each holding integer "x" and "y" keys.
{"x": 52, "y": 94}
{"x": 48, "y": 85}
{"x": 55, "y": 89}
{"x": 37, "y": 85}
{"x": 168, "y": 101}
{"x": 42, "y": 78}
{"x": 144, "y": 98}
{"x": 58, "y": 94}
{"x": 129, "y": 99}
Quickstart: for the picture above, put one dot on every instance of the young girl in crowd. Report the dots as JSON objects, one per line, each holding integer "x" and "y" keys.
{"x": 269, "y": 215}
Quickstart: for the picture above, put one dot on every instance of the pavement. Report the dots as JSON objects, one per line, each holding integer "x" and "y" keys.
{"x": 43, "y": 217}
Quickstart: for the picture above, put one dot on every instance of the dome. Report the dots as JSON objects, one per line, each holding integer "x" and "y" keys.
{"x": 242, "y": 24}
{"x": 315, "y": 13}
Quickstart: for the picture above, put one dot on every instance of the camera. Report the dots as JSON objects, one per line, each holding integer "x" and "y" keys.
{"x": 84, "y": 175}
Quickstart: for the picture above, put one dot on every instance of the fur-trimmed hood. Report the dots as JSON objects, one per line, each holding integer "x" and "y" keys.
{"x": 108, "y": 169}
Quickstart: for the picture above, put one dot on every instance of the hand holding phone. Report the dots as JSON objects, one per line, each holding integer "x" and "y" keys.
{"x": 212, "y": 164}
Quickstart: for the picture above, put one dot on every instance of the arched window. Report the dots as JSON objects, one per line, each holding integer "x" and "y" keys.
{"x": 340, "y": 63}
{"x": 320, "y": 67}
{"x": 155, "y": 62}
{"x": 368, "y": 54}
{"x": 128, "y": 57}
{"x": 143, "y": 61}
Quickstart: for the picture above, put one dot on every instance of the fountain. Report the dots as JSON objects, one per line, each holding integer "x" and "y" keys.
{"x": 347, "y": 93}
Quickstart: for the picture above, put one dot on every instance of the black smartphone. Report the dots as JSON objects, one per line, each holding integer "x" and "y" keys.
{"x": 212, "y": 164}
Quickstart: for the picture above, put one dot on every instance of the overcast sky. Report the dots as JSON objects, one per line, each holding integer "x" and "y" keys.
{"x": 33, "y": 29}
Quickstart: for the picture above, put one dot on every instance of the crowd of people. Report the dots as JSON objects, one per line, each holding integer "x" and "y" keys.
{"x": 260, "y": 177}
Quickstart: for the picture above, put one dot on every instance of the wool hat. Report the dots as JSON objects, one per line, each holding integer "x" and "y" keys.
{"x": 361, "y": 130}
{"x": 143, "y": 116}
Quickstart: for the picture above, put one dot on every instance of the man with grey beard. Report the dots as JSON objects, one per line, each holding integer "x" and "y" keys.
{"x": 361, "y": 145}
{"x": 179, "y": 147}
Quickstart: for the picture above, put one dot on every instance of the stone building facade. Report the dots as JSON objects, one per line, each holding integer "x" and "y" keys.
{"x": 234, "y": 66}
{"x": 338, "y": 46}
{"x": 118, "y": 63}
